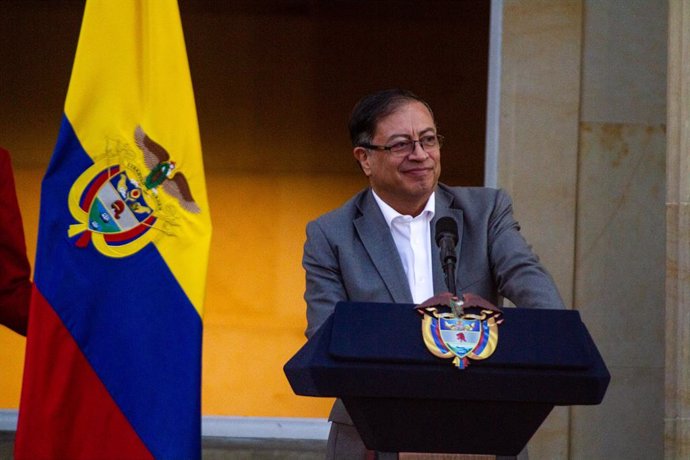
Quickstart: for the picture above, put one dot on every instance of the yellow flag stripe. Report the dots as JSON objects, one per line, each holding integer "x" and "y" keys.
{"x": 118, "y": 83}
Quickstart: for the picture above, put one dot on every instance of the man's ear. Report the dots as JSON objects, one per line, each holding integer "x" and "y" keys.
{"x": 362, "y": 157}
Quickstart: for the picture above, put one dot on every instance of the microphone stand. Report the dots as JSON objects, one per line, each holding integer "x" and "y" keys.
{"x": 446, "y": 239}
{"x": 449, "y": 271}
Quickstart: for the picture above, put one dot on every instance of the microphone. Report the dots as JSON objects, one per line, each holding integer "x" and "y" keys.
{"x": 446, "y": 239}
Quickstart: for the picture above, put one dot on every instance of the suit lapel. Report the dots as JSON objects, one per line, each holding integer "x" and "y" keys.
{"x": 379, "y": 244}
{"x": 445, "y": 208}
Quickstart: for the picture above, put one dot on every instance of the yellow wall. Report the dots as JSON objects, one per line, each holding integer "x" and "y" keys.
{"x": 254, "y": 316}
{"x": 274, "y": 85}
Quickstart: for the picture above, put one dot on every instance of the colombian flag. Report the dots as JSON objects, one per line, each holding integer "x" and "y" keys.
{"x": 113, "y": 358}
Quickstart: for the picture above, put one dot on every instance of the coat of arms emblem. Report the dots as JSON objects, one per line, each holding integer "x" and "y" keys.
{"x": 117, "y": 201}
{"x": 468, "y": 331}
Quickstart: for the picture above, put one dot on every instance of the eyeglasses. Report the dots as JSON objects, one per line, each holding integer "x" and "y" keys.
{"x": 403, "y": 148}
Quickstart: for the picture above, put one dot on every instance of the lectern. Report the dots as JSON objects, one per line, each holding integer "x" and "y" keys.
{"x": 403, "y": 399}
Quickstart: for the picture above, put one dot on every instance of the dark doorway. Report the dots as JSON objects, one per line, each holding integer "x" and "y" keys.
{"x": 275, "y": 80}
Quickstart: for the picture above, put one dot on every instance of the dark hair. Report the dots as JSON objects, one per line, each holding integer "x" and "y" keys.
{"x": 370, "y": 109}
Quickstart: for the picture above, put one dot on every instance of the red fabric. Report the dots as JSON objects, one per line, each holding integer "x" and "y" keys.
{"x": 76, "y": 403}
{"x": 15, "y": 272}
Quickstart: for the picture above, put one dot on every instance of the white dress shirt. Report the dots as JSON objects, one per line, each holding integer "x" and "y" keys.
{"x": 412, "y": 237}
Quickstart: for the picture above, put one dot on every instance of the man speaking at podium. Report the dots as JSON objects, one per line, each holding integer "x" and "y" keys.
{"x": 380, "y": 245}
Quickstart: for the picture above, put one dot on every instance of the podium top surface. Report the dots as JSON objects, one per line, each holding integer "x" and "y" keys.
{"x": 539, "y": 339}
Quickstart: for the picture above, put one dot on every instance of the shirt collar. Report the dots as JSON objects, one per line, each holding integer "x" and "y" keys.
{"x": 389, "y": 213}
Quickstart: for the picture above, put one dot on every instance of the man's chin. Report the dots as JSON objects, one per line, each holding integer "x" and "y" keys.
{"x": 420, "y": 191}
{"x": 422, "y": 185}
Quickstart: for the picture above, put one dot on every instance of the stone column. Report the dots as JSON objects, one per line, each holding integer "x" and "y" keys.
{"x": 677, "y": 406}
{"x": 537, "y": 161}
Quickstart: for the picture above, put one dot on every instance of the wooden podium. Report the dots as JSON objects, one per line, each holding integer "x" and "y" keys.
{"x": 403, "y": 399}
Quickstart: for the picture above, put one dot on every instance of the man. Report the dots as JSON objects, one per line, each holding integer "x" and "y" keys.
{"x": 379, "y": 246}
{"x": 15, "y": 286}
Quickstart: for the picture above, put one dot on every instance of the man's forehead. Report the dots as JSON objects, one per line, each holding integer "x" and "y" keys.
{"x": 400, "y": 119}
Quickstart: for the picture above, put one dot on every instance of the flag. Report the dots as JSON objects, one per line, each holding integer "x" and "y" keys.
{"x": 113, "y": 354}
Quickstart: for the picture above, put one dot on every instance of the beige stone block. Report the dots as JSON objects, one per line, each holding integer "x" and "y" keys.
{"x": 624, "y": 53}
{"x": 550, "y": 440}
{"x": 627, "y": 424}
{"x": 620, "y": 251}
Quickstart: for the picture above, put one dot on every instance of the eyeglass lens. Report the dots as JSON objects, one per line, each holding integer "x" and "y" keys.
{"x": 407, "y": 147}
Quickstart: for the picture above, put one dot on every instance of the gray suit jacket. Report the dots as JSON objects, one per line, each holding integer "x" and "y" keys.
{"x": 350, "y": 255}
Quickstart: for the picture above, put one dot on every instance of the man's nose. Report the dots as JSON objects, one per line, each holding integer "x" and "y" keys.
{"x": 418, "y": 153}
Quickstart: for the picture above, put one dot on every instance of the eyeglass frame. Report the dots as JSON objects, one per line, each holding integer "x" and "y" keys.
{"x": 439, "y": 140}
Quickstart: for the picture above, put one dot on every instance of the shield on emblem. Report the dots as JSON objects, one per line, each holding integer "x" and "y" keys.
{"x": 115, "y": 204}
{"x": 460, "y": 335}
